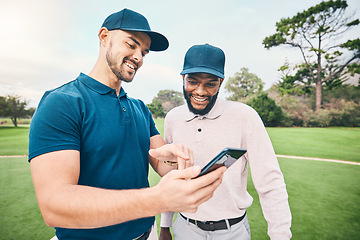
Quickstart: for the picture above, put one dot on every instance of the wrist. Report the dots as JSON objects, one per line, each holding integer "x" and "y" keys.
{"x": 156, "y": 202}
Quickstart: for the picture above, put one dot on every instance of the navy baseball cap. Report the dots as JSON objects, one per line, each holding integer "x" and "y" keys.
{"x": 204, "y": 59}
{"x": 129, "y": 20}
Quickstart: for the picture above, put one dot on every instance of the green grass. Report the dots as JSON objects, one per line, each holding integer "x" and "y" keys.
{"x": 20, "y": 215}
{"x": 324, "y": 197}
{"x": 324, "y": 200}
{"x": 14, "y": 140}
{"x": 333, "y": 143}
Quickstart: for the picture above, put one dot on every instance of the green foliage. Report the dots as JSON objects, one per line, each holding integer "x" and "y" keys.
{"x": 168, "y": 99}
{"x": 345, "y": 91}
{"x": 315, "y": 32}
{"x": 14, "y": 108}
{"x": 341, "y": 107}
{"x": 270, "y": 113}
{"x": 156, "y": 109}
{"x": 316, "y": 21}
{"x": 352, "y": 44}
{"x": 243, "y": 84}
{"x": 298, "y": 84}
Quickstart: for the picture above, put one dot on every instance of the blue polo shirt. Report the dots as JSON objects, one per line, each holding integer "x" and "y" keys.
{"x": 112, "y": 134}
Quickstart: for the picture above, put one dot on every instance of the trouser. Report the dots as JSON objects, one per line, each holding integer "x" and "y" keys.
{"x": 184, "y": 230}
{"x": 153, "y": 234}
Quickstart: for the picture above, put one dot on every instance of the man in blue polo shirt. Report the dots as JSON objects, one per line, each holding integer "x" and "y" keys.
{"x": 89, "y": 147}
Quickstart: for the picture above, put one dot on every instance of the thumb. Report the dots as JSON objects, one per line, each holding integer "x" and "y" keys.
{"x": 189, "y": 173}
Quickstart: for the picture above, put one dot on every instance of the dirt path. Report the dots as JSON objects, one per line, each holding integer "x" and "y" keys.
{"x": 13, "y": 156}
{"x": 320, "y": 159}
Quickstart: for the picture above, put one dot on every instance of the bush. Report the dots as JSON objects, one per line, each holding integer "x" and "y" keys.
{"x": 335, "y": 112}
{"x": 348, "y": 115}
{"x": 271, "y": 114}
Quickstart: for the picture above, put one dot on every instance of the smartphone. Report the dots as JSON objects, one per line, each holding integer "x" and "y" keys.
{"x": 226, "y": 157}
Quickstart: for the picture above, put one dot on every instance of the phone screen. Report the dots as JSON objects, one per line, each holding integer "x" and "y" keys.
{"x": 226, "y": 157}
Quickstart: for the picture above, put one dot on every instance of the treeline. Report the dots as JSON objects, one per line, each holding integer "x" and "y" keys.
{"x": 13, "y": 107}
{"x": 340, "y": 107}
{"x": 288, "y": 105}
{"x": 279, "y": 107}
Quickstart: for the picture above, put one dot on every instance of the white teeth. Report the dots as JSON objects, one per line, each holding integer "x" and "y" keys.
{"x": 200, "y": 99}
{"x": 130, "y": 65}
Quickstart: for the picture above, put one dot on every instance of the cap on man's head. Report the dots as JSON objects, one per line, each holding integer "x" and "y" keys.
{"x": 129, "y": 20}
{"x": 204, "y": 59}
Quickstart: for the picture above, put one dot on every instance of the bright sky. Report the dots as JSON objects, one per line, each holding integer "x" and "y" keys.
{"x": 46, "y": 43}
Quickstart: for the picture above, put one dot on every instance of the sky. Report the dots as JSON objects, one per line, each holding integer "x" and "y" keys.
{"x": 47, "y": 43}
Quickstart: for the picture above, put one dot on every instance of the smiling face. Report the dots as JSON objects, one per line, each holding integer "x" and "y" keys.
{"x": 200, "y": 91}
{"x": 125, "y": 53}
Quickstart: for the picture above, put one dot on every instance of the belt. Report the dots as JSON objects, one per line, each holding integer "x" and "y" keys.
{"x": 144, "y": 236}
{"x": 214, "y": 225}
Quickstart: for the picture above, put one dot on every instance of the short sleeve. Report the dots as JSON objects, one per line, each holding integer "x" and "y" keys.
{"x": 55, "y": 125}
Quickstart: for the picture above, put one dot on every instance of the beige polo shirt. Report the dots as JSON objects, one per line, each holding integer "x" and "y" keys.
{"x": 234, "y": 124}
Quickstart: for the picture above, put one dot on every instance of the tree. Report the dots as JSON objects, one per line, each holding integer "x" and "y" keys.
{"x": 297, "y": 84}
{"x": 316, "y": 32}
{"x": 13, "y": 107}
{"x": 3, "y": 106}
{"x": 156, "y": 109}
{"x": 168, "y": 99}
{"x": 270, "y": 113}
{"x": 243, "y": 84}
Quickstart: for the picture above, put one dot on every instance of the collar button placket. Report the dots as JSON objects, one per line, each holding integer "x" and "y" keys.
{"x": 199, "y": 129}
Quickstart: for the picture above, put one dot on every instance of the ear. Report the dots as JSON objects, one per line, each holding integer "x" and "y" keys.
{"x": 221, "y": 81}
{"x": 183, "y": 77}
{"x": 103, "y": 36}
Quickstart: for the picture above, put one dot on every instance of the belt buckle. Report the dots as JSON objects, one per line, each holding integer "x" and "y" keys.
{"x": 212, "y": 226}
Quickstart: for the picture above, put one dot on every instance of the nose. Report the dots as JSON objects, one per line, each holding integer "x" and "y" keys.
{"x": 138, "y": 57}
{"x": 200, "y": 89}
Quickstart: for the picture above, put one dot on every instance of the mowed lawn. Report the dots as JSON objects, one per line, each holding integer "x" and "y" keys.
{"x": 333, "y": 143}
{"x": 324, "y": 197}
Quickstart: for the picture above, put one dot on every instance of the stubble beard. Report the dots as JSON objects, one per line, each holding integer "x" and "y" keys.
{"x": 112, "y": 63}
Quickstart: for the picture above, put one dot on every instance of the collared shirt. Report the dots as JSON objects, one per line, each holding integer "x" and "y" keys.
{"x": 112, "y": 134}
{"x": 234, "y": 124}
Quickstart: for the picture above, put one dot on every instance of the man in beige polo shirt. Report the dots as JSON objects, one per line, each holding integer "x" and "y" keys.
{"x": 208, "y": 124}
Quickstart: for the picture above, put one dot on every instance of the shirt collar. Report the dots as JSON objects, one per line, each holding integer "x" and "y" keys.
{"x": 98, "y": 86}
{"x": 215, "y": 112}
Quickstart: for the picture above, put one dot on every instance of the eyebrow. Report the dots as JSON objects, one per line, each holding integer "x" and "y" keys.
{"x": 212, "y": 80}
{"x": 138, "y": 43}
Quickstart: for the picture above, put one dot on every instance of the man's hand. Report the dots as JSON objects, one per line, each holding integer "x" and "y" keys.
{"x": 174, "y": 153}
{"x": 165, "y": 234}
{"x": 179, "y": 192}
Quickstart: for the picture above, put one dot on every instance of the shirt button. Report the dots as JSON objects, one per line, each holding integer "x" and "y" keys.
{"x": 124, "y": 109}
{"x": 199, "y": 130}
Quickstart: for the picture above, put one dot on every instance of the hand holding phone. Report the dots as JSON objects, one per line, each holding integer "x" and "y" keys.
{"x": 226, "y": 157}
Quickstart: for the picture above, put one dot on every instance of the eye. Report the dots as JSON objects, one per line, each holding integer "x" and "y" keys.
{"x": 191, "y": 82}
{"x": 212, "y": 84}
{"x": 132, "y": 46}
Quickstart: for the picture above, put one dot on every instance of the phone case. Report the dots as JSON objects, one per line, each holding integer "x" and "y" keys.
{"x": 226, "y": 157}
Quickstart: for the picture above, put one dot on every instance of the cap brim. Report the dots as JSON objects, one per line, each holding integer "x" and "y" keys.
{"x": 158, "y": 41}
{"x": 203, "y": 70}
